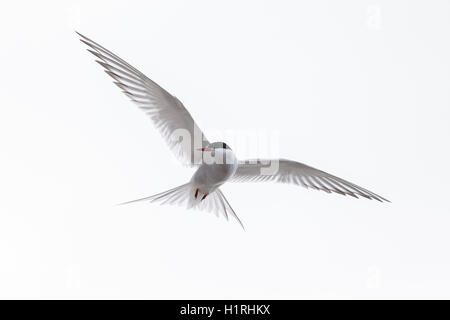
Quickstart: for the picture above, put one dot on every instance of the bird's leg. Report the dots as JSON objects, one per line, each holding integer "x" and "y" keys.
{"x": 204, "y": 196}
{"x": 196, "y": 193}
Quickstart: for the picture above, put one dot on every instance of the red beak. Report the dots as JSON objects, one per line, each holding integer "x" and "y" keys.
{"x": 204, "y": 149}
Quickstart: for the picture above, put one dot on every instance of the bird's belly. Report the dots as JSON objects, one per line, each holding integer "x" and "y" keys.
{"x": 211, "y": 176}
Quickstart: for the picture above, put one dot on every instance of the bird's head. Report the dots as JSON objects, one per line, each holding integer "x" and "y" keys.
{"x": 217, "y": 152}
{"x": 215, "y": 146}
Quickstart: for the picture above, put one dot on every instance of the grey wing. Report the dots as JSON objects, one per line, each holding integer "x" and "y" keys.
{"x": 167, "y": 112}
{"x": 287, "y": 171}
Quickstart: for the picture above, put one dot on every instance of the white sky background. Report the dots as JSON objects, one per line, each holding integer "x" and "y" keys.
{"x": 356, "y": 88}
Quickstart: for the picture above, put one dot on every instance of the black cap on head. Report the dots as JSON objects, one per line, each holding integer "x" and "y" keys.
{"x": 219, "y": 145}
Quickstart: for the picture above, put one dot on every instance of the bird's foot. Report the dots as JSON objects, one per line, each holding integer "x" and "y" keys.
{"x": 204, "y": 196}
{"x": 196, "y": 193}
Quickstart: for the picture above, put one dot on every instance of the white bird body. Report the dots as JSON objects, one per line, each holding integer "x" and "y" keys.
{"x": 208, "y": 177}
{"x": 216, "y": 163}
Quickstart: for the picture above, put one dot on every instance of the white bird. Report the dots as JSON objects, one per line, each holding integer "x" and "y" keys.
{"x": 216, "y": 163}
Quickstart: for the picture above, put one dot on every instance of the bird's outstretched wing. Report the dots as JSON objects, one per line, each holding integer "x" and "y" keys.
{"x": 167, "y": 112}
{"x": 287, "y": 171}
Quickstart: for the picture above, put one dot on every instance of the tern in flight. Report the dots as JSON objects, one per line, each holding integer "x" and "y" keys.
{"x": 216, "y": 163}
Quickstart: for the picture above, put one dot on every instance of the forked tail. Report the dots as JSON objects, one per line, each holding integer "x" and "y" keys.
{"x": 184, "y": 195}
